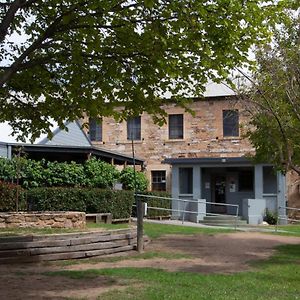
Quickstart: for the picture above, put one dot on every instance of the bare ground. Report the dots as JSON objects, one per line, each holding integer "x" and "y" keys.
{"x": 225, "y": 253}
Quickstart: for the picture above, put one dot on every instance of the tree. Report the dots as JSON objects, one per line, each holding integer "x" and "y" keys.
{"x": 275, "y": 99}
{"x": 62, "y": 58}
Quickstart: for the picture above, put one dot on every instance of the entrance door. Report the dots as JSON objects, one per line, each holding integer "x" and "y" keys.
{"x": 219, "y": 193}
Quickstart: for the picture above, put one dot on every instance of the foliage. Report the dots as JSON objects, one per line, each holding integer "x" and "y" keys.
{"x": 8, "y": 197}
{"x": 94, "y": 173}
{"x": 130, "y": 180}
{"x": 90, "y": 200}
{"x": 100, "y": 174}
{"x": 275, "y": 99}
{"x": 271, "y": 217}
{"x": 157, "y": 202}
{"x": 53, "y": 53}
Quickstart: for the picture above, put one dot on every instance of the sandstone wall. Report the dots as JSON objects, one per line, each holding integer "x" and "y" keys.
{"x": 43, "y": 220}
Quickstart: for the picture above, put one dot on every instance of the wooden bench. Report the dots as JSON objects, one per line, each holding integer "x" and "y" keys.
{"x": 99, "y": 218}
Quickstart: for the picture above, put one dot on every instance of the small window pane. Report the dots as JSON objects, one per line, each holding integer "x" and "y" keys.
{"x": 158, "y": 180}
{"x": 230, "y": 123}
{"x": 185, "y": 180}
{"x": 270, "y": 181}
{"x": 134, "y": 128}
{"x": 176, "y": 126}
{"x": 95, "y": 129}
{"x": 246, "y": 181}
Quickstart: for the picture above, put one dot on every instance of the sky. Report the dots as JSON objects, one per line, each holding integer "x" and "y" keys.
{"x": 212, "y": 89}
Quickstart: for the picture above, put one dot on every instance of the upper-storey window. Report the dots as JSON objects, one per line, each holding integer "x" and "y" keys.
{"x": 95, "y": 129}
{"x": 176, "y": 126}
{"x": 134, "y": 128}
{"x": 230, "y": 123}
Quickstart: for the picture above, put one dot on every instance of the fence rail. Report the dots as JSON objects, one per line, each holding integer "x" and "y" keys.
{"x": 185, "y": 201}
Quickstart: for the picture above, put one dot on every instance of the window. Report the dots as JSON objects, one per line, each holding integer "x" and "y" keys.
{"x": 185, "y": 180}
{"x": 134, "y": 128}
{"x": 95, "y": 129}
{"x": 246, "y": 181}
{"x": 175, "y": 126}
{"x": 158, "y": 180}
{"x": 230, "y": 123}
{"x": 269, "y": 180}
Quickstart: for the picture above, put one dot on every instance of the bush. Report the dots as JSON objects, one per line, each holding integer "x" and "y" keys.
{"x": 119, "y": 203}
{"x": 100, "y": 174}
{"x": 94, "y": 173}
{"x": 271, "y": 217}
{"x": 8, "y": 197}
{"x": 127, "y": 178}
{"x": 157, "y": 202}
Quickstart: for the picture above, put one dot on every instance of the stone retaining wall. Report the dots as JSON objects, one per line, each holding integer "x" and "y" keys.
{"x": 43, "y": 220}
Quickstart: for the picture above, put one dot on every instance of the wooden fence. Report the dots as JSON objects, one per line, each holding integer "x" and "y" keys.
{"x": 36, "y": 248}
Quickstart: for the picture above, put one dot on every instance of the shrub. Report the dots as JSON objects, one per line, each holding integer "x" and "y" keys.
{"x": 127, "y": 178}
{"x": 100, "y": 174}
{"x": 119, "y": 203}
{"x": 8, "y": 197}
{"x": 271, "y": 217}
{"x": 157, "y": 202}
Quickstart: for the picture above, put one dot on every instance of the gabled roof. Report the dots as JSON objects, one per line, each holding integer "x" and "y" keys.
{"x": 73, "y": 136}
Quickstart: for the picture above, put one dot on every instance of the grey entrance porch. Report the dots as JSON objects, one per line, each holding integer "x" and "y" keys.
{"x": 198, "y": 178}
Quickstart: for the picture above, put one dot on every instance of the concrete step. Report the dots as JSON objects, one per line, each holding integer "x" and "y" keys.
{"x": 222, "y": 217}
{"x": 241, "y": 222}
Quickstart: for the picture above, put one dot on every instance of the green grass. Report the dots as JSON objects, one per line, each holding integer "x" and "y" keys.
{"x": 154, "y": 230}
{"x": 290, "y": 230}
{"x": 107, "y": 226}
{"x": 276, "y": 278}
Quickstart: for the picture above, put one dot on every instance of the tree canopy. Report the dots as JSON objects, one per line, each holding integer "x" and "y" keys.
{"x": 62, "y": 58}
{"x": 275, "y": 99}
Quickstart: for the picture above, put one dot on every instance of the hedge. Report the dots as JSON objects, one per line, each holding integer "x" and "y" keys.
{"x": 94, "y": 200}
{"x": 156, "y": 202}
{"x": 8, "y": 197}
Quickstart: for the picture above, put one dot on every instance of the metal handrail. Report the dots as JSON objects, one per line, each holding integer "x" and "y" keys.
{"x": 192, "y": 201}
{"x": 286, "y": 217}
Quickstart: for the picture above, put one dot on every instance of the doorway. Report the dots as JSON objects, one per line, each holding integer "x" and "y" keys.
{"x": 219, "y": 193}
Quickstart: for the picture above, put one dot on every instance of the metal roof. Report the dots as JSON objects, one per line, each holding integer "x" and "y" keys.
{"x": 98, "y": 152}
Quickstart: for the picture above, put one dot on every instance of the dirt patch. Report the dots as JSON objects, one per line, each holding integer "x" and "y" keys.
{"x": 225, "y": 253}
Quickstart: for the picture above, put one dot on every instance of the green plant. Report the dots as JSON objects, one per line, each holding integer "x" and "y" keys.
{"x": 90, "y": 200}
{"x": 133, "y": 179}
{"x": 271, "y": 217}
{"x": 158, "y": 202}
{"x": 10, "y": 194}
{"x": 100, "y": 174}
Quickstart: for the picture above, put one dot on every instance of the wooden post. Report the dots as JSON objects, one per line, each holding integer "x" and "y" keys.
{"x": 140, "y": 225}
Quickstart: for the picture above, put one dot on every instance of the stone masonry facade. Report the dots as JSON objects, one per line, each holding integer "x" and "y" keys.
{"x": 202, "y": 135}
{"x": 43, "y": 220}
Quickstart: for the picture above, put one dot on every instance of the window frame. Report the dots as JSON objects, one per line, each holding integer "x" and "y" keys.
{"x": 161, "y": 180}
{"x": 176, "y": 129}
{"x": 231, "y": 123}
{"x": 134, "y": 130}
{"x": 95, "y": 129}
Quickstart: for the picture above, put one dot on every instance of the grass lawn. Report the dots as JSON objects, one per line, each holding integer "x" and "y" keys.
{"x": 276, "y": 278}
{"x": 154, "y": 230}
{"x": 289, "y": 229}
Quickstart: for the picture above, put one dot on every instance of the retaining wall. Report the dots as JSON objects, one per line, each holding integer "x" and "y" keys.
{"x": 65, "y": 246}
{"x": 43, "y": 220}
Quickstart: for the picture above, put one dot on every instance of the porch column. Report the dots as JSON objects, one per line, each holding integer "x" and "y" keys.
{"x": 200, "y": 208}
{"x": 281, "y": 196}
{"x": 175, "y": 191}
{"x": 258, "y": 181}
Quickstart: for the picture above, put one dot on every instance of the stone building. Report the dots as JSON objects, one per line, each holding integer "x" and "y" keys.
{"x": 200, "y": 156}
